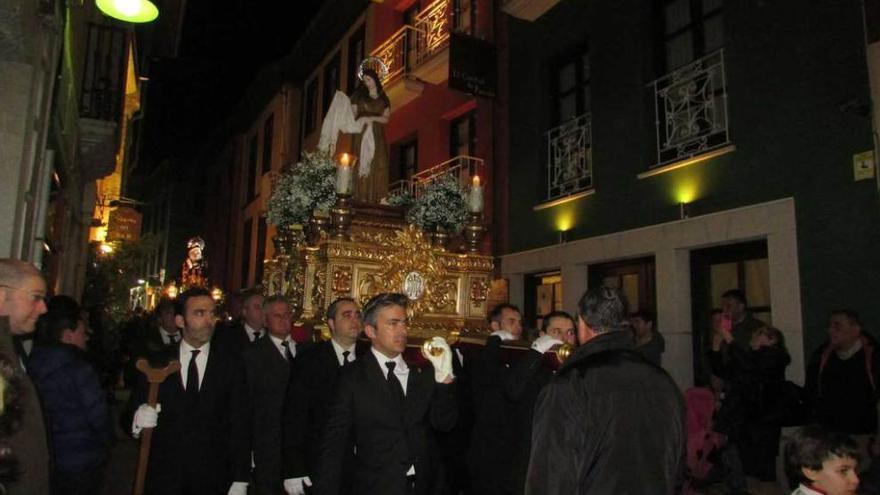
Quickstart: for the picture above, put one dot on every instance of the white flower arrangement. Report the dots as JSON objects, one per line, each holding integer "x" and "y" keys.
{"x": 443, "y": 204}
{"x": 307, "y": 186}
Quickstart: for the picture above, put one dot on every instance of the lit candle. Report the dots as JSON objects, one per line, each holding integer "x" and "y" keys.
{"x": 343, "y": 175}
{"x": 476, "y": 196}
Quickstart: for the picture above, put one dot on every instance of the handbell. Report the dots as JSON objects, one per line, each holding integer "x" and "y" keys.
{"x": 429, "y": 349}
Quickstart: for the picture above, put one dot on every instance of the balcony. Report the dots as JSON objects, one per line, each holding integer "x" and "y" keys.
{"x": 417, "y": 53}
{"x": 101, "y": 99}
{"x": 691, "y": 112}
{"x": 569, "y": 159}
{"x": 398, "y": 52}
{"x": 528, "y": 10}
{"x": 462, "y": 167}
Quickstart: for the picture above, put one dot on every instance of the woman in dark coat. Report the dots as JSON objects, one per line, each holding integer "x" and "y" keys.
{"x": 75, "y": 406}
{"x": 750, "y": 413}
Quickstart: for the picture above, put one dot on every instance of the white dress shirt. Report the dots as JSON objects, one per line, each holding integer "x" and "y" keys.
{"x": 249, "y": 330}
{"x": 277, "y": 342}
{"x": 185, "y": 355}
{"x": 339, "y": 350}
{"x": 168, "y": 338}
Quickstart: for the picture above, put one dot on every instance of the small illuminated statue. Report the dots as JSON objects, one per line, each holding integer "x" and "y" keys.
{"x": 194, "y": 272}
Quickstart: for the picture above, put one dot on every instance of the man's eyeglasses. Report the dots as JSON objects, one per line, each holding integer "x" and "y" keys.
{"x": 36, "y": 297}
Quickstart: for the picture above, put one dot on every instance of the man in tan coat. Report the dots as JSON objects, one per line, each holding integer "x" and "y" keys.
{"x": 22, "y": 301}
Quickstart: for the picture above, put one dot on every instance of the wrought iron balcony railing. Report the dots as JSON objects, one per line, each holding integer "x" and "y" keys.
{"x": 569, "y": 158}
{"x": 398, "y": 52}
{"x": 691, "y": 110}
{"x": 412, "y": 45}
{"x": 462, "y": 167}
{"x": 104, "y": 73}
{"x": 432, "y": 24}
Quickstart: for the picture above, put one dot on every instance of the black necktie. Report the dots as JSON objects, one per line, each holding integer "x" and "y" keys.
{"x": 256, "y": 335}
{"x": 173, "y": 338}
{"x": 394, "y": 383}
{"x": 287, "y": 354}
{"x": 345, "y": 355}
{"x": 192, "y": 378}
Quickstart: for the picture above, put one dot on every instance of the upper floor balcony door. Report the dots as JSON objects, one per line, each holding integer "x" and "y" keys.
{"x": 690, "y": 96}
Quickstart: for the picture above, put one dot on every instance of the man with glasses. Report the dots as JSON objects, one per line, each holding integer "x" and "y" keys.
{"x": 22, "y": 301}
{"x": 269, "y": 365}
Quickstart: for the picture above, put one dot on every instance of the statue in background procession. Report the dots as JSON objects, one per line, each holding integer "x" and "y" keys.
{"x": 356, "y": 125}
{"x": 194, "y": 272}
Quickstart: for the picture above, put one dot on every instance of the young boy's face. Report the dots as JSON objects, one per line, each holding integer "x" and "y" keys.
{"x": 837, "y": 476}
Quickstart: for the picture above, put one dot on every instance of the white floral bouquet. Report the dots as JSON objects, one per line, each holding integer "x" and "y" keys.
{"x": 309, "y": 185}
{"x": 443, "y": 204}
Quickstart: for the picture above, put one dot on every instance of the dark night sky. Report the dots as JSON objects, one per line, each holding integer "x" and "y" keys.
{"x": 223, "y": 45}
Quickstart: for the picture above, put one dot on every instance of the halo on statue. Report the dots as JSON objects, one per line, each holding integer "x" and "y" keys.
{"x": 376, "y": 64}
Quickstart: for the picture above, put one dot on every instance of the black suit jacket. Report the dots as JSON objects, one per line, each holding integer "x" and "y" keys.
{"x": 524, "y": 381}
{"x": 311, "y": 393}
{"x": 493, "y": 436}
{"x": 266, "y": 376}
{"x": 233, "y": 336}
{"x": 151, "y": 346}
{"x": 199, "y": 449}
{"x": 387, "y": 440}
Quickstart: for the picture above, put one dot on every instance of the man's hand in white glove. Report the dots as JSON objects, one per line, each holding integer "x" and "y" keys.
{"x": 504, "y": 334}
{"x": 442, "y": 361}
{"x": 145, "y": 417}
{"x": 238, "y": 488}
{"x": 543, "y": 343}
{"x": 297, "y": 486}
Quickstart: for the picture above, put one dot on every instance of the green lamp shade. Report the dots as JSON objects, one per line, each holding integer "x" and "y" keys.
{"x": 129, "y": 10}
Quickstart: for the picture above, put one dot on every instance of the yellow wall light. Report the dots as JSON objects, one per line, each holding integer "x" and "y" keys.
{"x": 136, "y": 11}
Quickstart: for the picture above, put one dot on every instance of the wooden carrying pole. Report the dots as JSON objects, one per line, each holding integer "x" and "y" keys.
{"x": 155, "y": 377}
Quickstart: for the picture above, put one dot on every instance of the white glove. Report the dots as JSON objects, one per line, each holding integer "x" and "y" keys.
{"x": 297, "y": 486}
{"x": 145, "y": 417}
{"x": 442, "y": 362}
{"x": 543, "y": 343}
{"x": 504, "y": 334}
{"x": 238, "y": 488}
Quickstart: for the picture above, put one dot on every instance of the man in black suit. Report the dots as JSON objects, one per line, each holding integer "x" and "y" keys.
{"x": 198, "y": 439}
{"x": 311, "y": 393}
{"x": 388, "y": 408}
{"x": 268, "y": 365}
{"x": 493, "y": 436}
{"x": 161, "y": 337}
{"x": 242, "y": 333}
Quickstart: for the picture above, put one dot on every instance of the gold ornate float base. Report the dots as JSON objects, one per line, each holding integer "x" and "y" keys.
{"x": 448, "y": 291}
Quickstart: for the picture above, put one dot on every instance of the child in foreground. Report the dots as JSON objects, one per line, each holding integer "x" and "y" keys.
{"x": 821, "y": 463}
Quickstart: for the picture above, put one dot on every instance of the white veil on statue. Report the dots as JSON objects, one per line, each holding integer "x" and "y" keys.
{"x": 340, "y": 118}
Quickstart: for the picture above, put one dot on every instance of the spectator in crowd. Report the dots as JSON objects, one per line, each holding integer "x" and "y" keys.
{"x": 648, "y": 341}
{"x": 22, "y": 301}
{"x": 818, "y": 462}
{"x": 735, "y": 308}
{"x": 77, "y": 413}
{"x": 609, "y": 422}
{"x": 842, "y": 380}
{"x": 751, "y": 412}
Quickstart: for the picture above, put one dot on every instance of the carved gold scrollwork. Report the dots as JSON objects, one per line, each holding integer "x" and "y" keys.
{"x": 318, "y": 291}
{"x": 479, "y": 291}
{"x": 342, "y": 281}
